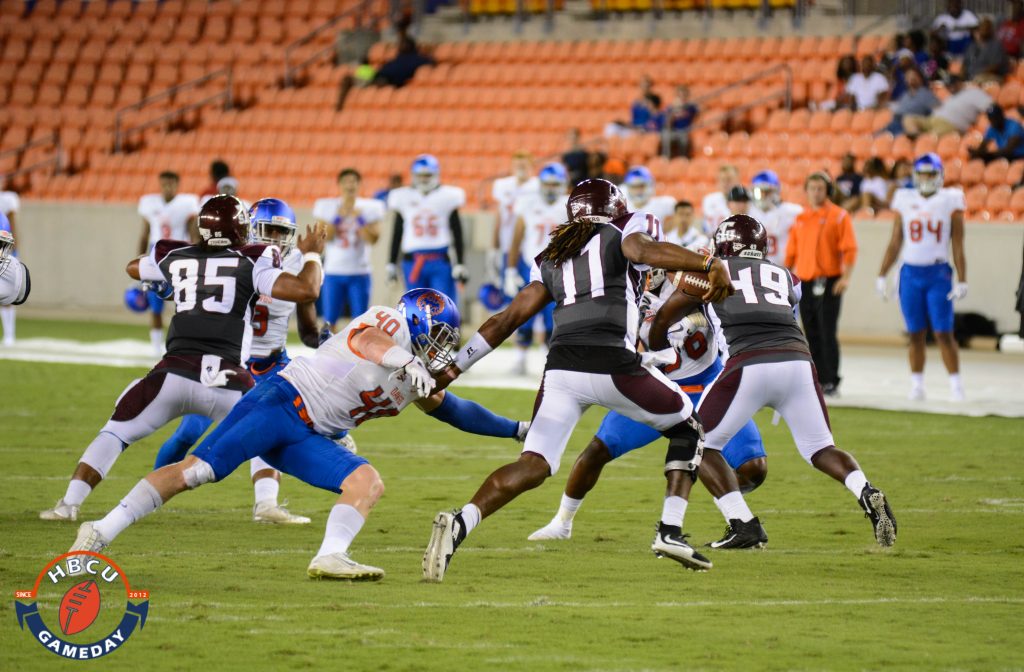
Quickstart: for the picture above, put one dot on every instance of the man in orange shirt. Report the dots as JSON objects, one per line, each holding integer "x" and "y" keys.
{"x": 821, "y": 252}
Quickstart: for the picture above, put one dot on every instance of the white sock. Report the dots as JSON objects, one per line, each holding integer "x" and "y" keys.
{"x": 718, "y": 503}
{"x": 7, "y": 318}
{"x": 137, "y": 504}
{"x": 673, "y": 510}
{"x": 521, "y": 355}
{"x": 917, "y": 381}
{"x": 266, "y": 488}
{"x": 156, "y": 338}
{"x": 955, "y": 383}
{"x": 77, "y": 492}
{"x": 343, "y": 525}
{"x": 855, "y": 482}
{"x": 567, "y": 509}
{"x": 733, "y": 506}
{"x": 471, "y": 516}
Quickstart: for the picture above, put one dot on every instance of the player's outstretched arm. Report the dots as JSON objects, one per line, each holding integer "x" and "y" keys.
{"x": 467, "y": 416}
{"x": 527, "y": 303}
{"x": 641, "y": 248}
{"x": 309, "y": 331}
{"x": 305, "y": 286}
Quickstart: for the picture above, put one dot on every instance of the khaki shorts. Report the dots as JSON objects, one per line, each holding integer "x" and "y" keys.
{"x": 936, "y": 125}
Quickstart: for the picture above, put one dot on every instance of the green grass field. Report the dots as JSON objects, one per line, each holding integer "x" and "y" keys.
{"x": 231, "y": 594}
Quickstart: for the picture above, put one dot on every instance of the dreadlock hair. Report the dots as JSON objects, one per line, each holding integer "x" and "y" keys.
{"x": 567, "y": 240}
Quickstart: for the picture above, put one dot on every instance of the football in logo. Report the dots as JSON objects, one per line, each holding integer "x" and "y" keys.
{"x": 79, "y": 607}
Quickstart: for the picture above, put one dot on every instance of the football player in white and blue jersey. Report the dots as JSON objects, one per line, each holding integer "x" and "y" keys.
{"x": 353, "y": 226}
{"x": 15, "y": 281}
{"x": 382, "y": 362}
{"x": 638, "y": 186}
{"x": 537, "y": 214}
{"x": 506, "y": 191}
{"x": 273, "y": 223}
{"x": 427, "y": 223}
{"x": 697, "y": 365}
{"x": 929, "y": 223}
{"x": 776, "y": 215}
{"x": 9, "y": 206}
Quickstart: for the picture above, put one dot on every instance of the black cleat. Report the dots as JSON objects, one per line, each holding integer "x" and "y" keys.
{"x": 876, "y": 507}
{"x": 670, "y": 542}
{"x": 742, "y": 535}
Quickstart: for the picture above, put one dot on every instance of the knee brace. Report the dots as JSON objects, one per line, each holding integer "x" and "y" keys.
{"x": 197, "y": 474}
{"x": 685, "y": 448}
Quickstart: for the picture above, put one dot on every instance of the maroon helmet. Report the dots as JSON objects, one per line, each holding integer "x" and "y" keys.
{"x": 223, "y": 222}
{"x": 595, "y": 200}
{"x": 741, "y": 236}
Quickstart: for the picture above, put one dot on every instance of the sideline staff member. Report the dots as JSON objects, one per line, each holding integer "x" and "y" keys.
{"x": 821, "y": 251}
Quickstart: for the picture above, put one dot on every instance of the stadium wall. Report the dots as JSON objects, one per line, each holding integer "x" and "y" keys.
{"x": 77, "y": 254}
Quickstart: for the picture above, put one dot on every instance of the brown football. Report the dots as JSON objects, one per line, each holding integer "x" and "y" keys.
{"x": 694, "y": 283}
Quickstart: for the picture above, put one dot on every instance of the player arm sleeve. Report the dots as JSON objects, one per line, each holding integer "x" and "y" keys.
{"x": 455, "y": 224}
{"x": 469, "y": 416}
{"x": 396, "y": 239}
{"x": 149, "y": 269}
{"x": 267, "y": 269}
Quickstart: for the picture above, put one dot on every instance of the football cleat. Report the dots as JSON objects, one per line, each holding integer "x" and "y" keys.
{"x": 448, "y": 533}
{"x": 269, "y": 511}
{"x": 556, "y": 529}
{"x": 522, "y": 430}
{"x": 876, "y": 507}
{"x": 348, "y": 443}
{"x": 89, "y": 539}
{"x": 340, "y": 566}
{"x": 916, "y": 394}
{"x": 60, "y": 511}
{"x": 742, "y": 535}
{"x": 670, "y": 542}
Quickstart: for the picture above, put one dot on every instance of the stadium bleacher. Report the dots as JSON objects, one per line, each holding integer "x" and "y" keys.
{"x": 478, "y": 104}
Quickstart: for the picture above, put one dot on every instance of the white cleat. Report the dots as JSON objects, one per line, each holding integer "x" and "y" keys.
{"x": 89, "y": 539}
{"x": 519, "y": 368}
{"x": 916, "y": 394}
{"x": 348, "y": 443}
{"x": 556, "y": 529}
{"x": 60, "y": 511}
{"x": 522, "y": 431}
{"x": 340, "y": 566}
{"x": 269, "y": 511}
{"x": 956, "y": 395}
{"x": 444, "y": 539}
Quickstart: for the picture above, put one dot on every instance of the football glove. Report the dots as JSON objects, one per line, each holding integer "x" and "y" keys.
{"x": 418, "y": 375}
{"x": 324, "y": 335}
{"x": 882, "y": 287}
{"x": 162, "y": 289}
{"x": 959, "y": 292}
{"x": 684, "y": 328}
{"x": 391, "y": 274}
{"x": 459, "y": 273}
{"x": 513, "y": 282}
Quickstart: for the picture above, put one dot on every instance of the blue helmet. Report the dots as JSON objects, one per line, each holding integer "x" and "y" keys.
{"x": 639, "y": 184}
{"x": 927, "y": 175}
{"x": 491, "y": 297}
{"x": 273, "y": 223}
{"x": 426, "y": 172}
{"x": 554, "y": 180}
{"x": 433, "y": 321}
{"x": 135, "y": 299}
{"x": 767, "y": 188}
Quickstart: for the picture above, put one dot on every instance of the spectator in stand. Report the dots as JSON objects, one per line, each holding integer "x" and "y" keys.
{"x": 398, "y": 71}
{"x": 985, "y": 59}
{"x": 874, "y": 188}
{"x": 679, "y": 116}
{"x": 901, "y": 177}
{"x": 956, "y": 114}
{"x": 918, "y": 100}
{"x": 936, "y": 66}
{"x": 646, "y": 113}
{"x": 845, "y": 69}
{"x": 868, "y": 87}
{"x": 575, "y": 158}
{"x": 917, "y": 43}
{"x": 847, "y": 191}
{"x": 821, "y": 251}
{"x": 614, "y": 170}
{"x": 1011, "y": 31}
{"x": 955, "y": 27}
{"x": 218, "y": 171}
{"x": 1004, "y": 138}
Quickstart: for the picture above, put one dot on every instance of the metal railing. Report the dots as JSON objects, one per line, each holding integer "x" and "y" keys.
{"x": 57, "y": 160}
{"x": 520, "y": 16}
{"x": 226, "y": 94}
{"x": 290, "y": 70}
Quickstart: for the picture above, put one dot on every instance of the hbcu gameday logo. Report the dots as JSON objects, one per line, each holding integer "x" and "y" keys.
{"x": 86, "y": 583}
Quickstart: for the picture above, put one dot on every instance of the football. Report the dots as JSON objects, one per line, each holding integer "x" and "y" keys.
{"x": 694, "y": 283}
{"x": 79, "y": 607}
